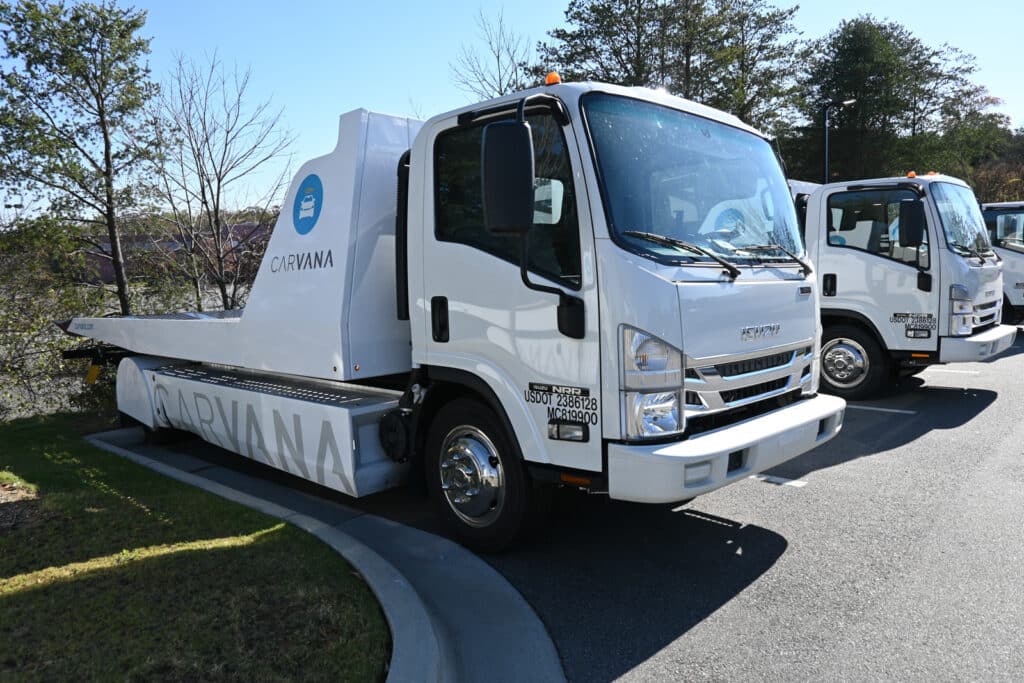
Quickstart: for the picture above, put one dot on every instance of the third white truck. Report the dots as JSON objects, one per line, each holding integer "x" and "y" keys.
{"x": 1005, "y": 222}
{"x": 908, "y": 278}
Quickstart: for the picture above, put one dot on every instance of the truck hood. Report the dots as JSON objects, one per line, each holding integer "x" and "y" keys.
{"x": 740, "y": 318}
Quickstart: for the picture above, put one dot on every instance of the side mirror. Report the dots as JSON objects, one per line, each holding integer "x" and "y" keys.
{"x": 912, "y": 223}
{"x": 507, "y": 177}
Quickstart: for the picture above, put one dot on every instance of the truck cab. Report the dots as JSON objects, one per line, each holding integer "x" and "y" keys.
{"x": 1005, "y": 223}
{"x": 908, "y": 279}
{"x": 673, "y": 244}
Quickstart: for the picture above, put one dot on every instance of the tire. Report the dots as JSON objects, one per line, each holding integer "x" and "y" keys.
{"x": 164, "y": 436}
{"x": 1011, "y": 316}
{"x": 468, "y": 451}
{"x": 853, "y": 365}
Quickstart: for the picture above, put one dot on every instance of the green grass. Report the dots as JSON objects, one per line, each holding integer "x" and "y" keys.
{"x": 126, "y": 574}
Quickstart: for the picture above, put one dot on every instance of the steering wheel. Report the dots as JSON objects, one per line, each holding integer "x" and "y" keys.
{"x": 727, "y": 224}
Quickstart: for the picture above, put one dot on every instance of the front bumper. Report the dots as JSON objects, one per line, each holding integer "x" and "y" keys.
{"x": 666, "y": 473}
{"x": 977, "y": 347}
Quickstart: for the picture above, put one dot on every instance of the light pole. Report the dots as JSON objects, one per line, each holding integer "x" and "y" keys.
{"x": 825, "y": 108}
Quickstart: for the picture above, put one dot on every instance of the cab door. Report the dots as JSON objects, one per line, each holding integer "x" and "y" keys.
{"x": 483, "y": 320}
{"x": 864, "y": 270}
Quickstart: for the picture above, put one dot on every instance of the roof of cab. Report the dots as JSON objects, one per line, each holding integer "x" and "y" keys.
{"x": 1004, "y": 205}
{"x": 570, "y": 93}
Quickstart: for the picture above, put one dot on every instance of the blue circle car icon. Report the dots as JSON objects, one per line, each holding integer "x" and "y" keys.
{"x": 309, "y": 201}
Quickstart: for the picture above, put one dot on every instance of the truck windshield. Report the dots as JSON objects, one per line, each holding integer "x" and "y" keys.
{"x": 961, "y": 219}
{"x": 669, "y": 174}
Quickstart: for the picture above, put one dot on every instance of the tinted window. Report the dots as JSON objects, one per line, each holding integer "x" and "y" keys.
{"x": 554, "y": 237}
{"x": 1006, "y": 229}
{"x": 870, "y": 221}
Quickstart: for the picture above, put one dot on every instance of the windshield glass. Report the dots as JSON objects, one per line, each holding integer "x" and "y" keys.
{"x": 1006, "y": 227}
{"x": 669, "y": 174}
{"x": 961, "y": 218}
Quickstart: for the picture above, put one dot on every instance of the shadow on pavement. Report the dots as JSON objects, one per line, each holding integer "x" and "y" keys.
{"x": 868, "y": 432}
{"x": 617, "y": 582}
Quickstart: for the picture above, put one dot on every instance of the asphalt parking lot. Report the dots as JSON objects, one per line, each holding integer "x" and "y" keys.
{"x": 895, "y": 551}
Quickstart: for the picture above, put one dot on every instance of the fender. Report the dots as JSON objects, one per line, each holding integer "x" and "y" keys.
{"x": 855, "y": 316}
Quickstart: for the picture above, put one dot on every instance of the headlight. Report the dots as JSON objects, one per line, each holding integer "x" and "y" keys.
{"x": 648, "y": 362}
{"x": 652, "y": 414}
{"x": 962, "y": 309}
{"x": 960, "y": 325}
{"x": 652, "y": 383}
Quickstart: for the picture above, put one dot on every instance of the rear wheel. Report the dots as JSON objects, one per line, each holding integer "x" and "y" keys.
{"x": 476, "y": 477}
{"x": 853, "y": 365}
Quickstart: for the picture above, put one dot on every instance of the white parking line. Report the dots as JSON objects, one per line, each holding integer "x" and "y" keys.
{"x": 851, "y": 406}
{"x": 957, "y": 372}
{"x": 778, "y": 481}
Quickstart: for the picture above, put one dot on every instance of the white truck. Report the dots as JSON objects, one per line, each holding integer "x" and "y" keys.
{"x": 908, "y": 278}
{"x": 1005, "y": 222}
{"x": 579, "y": 284}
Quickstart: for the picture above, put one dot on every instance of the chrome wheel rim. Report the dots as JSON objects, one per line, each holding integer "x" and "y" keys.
{"x": 845, "y": 363}
{"x": 472, "y": 476}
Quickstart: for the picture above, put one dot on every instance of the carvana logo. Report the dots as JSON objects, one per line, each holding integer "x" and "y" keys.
{"x": 308, "y": 202}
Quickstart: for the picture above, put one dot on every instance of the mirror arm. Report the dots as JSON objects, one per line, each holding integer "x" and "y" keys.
{"x": 525, "y": 275}
{"x": 571, "y": 321}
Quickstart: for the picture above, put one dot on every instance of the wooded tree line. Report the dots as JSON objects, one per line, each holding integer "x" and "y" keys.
{"x": 917, "y": 106}
{"x": 118, "y": 191}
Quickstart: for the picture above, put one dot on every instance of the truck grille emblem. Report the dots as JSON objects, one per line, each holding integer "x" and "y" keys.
{"x": 752, "y": 332}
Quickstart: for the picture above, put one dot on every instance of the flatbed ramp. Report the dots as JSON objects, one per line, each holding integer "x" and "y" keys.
{"x": 326, "y": 432}
{"x": 198, "y": 336}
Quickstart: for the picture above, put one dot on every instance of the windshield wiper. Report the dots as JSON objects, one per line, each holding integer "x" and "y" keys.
{"x": 970, "y": 250}
{"x": 731, "y": 269}
{"x": 805, "y": 267}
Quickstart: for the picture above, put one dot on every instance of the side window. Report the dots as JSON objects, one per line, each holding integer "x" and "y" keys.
{"x": 553, "y": 239}
{"x": 870, "y": 221}
{"x": 1005, "y": 229}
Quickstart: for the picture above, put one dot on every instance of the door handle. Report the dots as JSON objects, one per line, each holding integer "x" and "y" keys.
{"x": 828, "y": 284}
{"x": 439, "y": 318}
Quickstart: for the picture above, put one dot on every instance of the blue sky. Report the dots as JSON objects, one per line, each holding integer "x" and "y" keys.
{"x": 317, "y": 59}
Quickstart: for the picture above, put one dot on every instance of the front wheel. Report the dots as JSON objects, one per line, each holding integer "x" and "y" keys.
{"x": 853, "y": 365}
{"x": 476, "y": 477}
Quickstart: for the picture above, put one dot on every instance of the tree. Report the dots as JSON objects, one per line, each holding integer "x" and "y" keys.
{"x": 71, "y": 113}
{"x": 616, "y": 41}
{"x": 40, "y": 266}
{"x": 756, "y": 62}
{"x": 211, "y": 140}
{"x": 730, "y": 54}
{"x": 694, "y": 35}
{"x": 907, "y": 94}
{"x": 503, "y": 67}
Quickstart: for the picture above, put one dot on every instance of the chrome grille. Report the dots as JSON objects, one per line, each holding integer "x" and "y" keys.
{"x": 723, "y": 383}
{"x": 743, "y": 367}
{"x": 986, "y": 314}
{"x": 754, "y": 390}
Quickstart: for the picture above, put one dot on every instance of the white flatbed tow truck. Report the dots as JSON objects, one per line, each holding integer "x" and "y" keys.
{"x": 553, "y": 287}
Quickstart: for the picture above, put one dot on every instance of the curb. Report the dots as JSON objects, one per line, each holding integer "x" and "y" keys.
{"x": 416, "y": 648}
